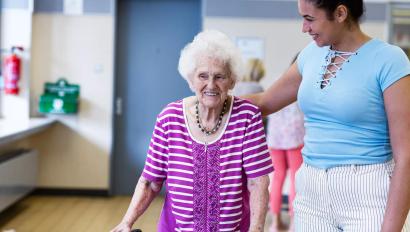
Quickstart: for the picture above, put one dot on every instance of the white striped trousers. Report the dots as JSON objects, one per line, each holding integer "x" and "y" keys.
{"x": 348, "y": 198}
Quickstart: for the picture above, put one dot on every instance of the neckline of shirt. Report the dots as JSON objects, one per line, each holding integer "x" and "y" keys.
{"x": 223, "y": 129}
{"x": 365, "y": 44}
{"x": 330, "y": 51}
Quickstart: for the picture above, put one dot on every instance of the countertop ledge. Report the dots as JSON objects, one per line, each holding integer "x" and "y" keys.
{"x": 13, "y": 130}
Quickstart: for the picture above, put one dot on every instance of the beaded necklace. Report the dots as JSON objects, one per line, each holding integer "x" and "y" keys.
{"x": 218, "y": 124}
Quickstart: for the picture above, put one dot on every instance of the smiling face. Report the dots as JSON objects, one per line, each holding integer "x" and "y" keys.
{"x": 315, "y": 22}
{"x": 211, "y": 82}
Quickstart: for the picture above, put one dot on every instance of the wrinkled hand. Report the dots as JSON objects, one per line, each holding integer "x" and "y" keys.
{"x": 122, "y": 227}
{"x": 255, "y": 230}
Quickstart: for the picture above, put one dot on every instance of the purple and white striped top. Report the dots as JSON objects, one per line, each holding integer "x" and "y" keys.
{"x": 206, "y": 184}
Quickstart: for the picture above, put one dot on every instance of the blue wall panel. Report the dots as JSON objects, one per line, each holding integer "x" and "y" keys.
{"x": 279, "y": 9}
{"x": 49, "y": 6}
{"x": 98, "y": 6}
{"x": 15, "y": 4}
{"x": 57, "y": 6}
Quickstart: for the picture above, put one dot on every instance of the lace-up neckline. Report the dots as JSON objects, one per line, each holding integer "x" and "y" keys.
{"x": 334, "y": 62}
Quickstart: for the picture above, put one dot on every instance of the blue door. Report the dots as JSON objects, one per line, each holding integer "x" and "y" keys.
{"x": 150, "y": 35}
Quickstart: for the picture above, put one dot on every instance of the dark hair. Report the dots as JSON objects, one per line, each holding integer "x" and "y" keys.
{"x": 355, "y": 7}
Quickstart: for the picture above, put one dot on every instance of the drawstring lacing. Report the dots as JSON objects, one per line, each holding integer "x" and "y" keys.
{"x": 328, "y": 74}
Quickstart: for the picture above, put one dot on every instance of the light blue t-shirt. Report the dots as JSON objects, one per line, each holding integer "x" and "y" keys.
{"x": 346, "y": 122}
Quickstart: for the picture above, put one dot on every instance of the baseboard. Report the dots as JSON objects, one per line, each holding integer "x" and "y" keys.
{"x": 71, "y": 192}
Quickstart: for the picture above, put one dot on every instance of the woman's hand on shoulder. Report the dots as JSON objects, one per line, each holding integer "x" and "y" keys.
{"x": 280, "y": 94}
{"x": 122, "y": 227}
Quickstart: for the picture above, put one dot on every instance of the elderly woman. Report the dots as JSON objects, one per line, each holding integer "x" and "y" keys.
{"x": 209, "y": 148}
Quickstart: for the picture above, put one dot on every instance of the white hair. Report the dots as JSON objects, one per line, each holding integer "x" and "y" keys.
{"x": 211, "y": 44}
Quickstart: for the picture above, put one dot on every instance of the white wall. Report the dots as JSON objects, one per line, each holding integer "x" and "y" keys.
{"x": 79, "y": 48}
{"x": 17, "y": 33}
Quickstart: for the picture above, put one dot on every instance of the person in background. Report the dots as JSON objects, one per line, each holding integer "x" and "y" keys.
{"x": 249, "y": 84}
{"x": 285, "y": 140}
{"x": 354, "y": 93}
{"x": 209, "y": 149}
{"x": 285, "y": 133}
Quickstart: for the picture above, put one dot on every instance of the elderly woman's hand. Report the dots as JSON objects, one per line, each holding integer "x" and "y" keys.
{"x": 122, "y": 227}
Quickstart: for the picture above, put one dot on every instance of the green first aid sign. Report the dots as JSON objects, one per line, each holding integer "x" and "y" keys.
{"x": 59, "y": 98}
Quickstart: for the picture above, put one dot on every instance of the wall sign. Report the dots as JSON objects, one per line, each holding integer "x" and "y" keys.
{"x": 251, "y": 47}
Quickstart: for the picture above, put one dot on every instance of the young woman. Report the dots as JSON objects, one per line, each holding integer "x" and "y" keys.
{"x": 354, "y": 93}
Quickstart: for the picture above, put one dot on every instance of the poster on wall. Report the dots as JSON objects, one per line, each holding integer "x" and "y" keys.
{"x": 73, "y": 7}
{"x": 251, "y": 47}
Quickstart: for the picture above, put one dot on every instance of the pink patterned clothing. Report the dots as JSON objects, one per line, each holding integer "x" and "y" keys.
{"x": 206, "y": 184}
{"x": 285, "y": 128}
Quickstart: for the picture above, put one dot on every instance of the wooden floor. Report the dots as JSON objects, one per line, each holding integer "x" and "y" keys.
{"x": 74, "y": 214}
{"x": 77, "y": 214}
{"x": 80, "y": 214}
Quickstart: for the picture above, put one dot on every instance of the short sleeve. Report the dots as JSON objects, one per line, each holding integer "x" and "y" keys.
{"x": 303, "y": 56}
{"x": 156, "y": 164}
{"x": 395, "y": 65}
{"x": 256, "y": 158}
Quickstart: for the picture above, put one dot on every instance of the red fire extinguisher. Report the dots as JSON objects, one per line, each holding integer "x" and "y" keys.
{"x": 12, "y": 72}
